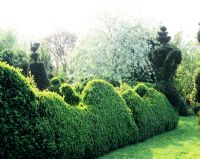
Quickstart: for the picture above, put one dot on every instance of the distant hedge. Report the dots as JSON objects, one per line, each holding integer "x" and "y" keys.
{"x": 42, "y": 125}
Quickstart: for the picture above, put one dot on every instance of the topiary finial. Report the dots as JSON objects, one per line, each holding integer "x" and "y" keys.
{"x": 34, "y": 48}
{"x": 163, "y": 37}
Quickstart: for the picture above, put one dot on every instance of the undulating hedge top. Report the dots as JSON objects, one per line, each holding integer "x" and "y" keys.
{"x": 113, "y": 124}
{"x": 152, "y": 112}
{"x": 41, "y": 125}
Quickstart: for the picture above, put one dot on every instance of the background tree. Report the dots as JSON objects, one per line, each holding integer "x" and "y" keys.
{"x": 8, "y": 39}
{"x": 12, "y": 52}
{"x": 59, "y": 45}
{"x": 116, "y": 48}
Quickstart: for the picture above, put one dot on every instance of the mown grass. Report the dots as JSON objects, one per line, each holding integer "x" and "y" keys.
{"x": 181, "y": 143}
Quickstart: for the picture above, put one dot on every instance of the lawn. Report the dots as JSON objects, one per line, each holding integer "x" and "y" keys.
{"x": 182, "y": 143}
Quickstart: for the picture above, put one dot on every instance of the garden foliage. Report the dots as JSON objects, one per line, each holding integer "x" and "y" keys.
{"x": 151, "y": 110}
{"x": 42, "y": 125}
{"x": 70, "y": 96}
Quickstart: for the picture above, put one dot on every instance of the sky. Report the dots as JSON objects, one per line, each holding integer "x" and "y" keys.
{"x": 34, "y": 19}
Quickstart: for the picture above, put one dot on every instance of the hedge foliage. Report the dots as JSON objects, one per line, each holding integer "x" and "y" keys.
{"x": 17, "y": 114}
{"x": 70, "y": 96}
{"x": 152, "y": 112}
{"x": 173, "y": 96}
{"x": 142, "y": 113}
{"x": 42, "y": 125}
{"x": 109, "y": 131}
{"x": 55, "y": 84}
{"x": 141, "y": 89}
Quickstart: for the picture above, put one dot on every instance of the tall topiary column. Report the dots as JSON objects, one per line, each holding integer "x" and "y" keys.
{"x": 165, "y": 60}
{"x": 198, "y": 35}
{"x": 37, "y": 68}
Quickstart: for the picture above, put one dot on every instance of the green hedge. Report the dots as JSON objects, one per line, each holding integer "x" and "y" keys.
{"x": 152, "y": 112}
{"x": 165, "y": 113}
{"x": 142, "y": 113}
{"x": 70, "y": 96}
{"x": 62, "y": 130}
{"x": 113, "y": 125}
{"x": 41, "y": 125}
{"x": 17, "y": 114}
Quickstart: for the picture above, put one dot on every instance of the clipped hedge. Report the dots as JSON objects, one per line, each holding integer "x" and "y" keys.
{"x": 113, "y": 125}
{"x": 41, "y": 125}
{"x": 55, "y": 84}
{"x": 173, "y": 96}
{"x": 151, "y": 110}
{"x": 141, "y": 89}
{"x": 70, "y": 96}
{"x": 142, "y": 113}
{"x": 17, "y": 114}
{"x": 62, "y": 130}
{"x": 165, "y": 113}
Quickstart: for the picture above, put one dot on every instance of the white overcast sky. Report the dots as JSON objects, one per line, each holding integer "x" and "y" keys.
{"x": 33, "y": 19}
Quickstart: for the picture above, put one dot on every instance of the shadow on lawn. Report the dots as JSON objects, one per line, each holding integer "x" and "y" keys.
{"x": 163, "y": 145}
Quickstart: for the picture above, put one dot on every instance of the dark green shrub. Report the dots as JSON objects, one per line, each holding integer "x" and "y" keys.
{"x": 78, "y": 87}
{"x": 196, "y": 109}
{"x": 112, "y": 123}
{"x": 173, "y": 96}
{"x": 198, "y": 35}
{"x": 115, "y": 83}
{"x": 141, "y": 89}
{"x": 165, "y": 58}
{"x": 17, "y": 114}
{"x": 55, "y": 84}
{"x": 142, "y": 113}
{"x": 69, "y": 94}
{"x": 40, "y": 76}
{"x": 197, "y": 86}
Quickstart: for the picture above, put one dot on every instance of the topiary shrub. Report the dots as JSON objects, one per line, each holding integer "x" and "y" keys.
{"x": 173, "y": 96}
{"x": 17, "y": 114}
{"x": 69, "y": 94}
{"x": 78, "y": 87}
{"x": 55, "y": 84}
{"x": 113, "y": 126}
{"x": 142, "y": 113}
{"x": 40, "y": 76}
{"x": 141, "y": 89}
{"x": 196, "y": 90}
{"x": 196, "y": 109}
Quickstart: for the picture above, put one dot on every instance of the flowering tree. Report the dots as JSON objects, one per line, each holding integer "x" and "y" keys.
{"x": 117, "y": 49}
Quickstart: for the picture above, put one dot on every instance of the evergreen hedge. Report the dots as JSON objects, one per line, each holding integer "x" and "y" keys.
{"x": 151, "y": 110}
{"x": 42, "y": 125}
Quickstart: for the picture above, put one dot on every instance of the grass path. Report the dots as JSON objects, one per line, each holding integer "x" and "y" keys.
{"x": 181, "y": 143}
